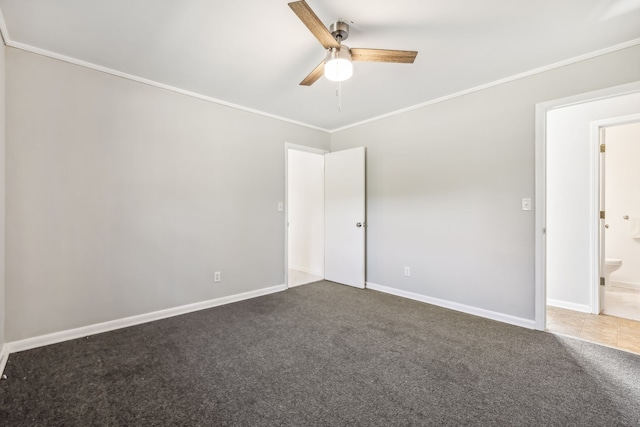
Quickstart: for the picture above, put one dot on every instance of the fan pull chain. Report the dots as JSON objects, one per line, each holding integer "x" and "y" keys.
{"x": 339, "y": 94}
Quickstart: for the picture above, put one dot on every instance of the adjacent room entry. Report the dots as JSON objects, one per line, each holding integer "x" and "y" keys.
{"x": 325, "y": 216}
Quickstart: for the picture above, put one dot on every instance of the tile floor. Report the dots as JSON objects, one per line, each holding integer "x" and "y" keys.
{"x": 602, "y": 329}
{"x": 622, "y": 302}
{"x": 297, "y": 278}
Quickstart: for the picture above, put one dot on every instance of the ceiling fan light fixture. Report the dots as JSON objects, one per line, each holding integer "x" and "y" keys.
{"x": 338, "y": 66}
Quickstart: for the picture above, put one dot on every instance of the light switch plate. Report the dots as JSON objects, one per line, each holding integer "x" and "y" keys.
{"x": 280, "y": 206}
{"x": 526, "y": 204}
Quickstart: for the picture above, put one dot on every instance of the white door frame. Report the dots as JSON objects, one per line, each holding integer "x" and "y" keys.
{"x": 540, "y": 186}
{"x": 288, "y": 146}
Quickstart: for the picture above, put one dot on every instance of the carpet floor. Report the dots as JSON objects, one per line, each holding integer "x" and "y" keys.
{"x": 322, "y": 354}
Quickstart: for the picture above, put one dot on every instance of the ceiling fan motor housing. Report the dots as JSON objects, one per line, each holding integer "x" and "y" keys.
{"x": 337, "y": 65}
{"x": 339, "y": 31}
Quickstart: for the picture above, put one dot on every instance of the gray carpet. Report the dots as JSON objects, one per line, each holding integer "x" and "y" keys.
{"x": 322, "y": 354}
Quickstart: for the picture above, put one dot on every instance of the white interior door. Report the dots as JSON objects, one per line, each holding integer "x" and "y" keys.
{"x": 345, "y": 217}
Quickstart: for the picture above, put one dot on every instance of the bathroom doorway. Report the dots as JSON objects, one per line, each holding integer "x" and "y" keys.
{"x": 568, "y": 220}
{"x": 620, "y": 189}
{"x": 571, "y": 210}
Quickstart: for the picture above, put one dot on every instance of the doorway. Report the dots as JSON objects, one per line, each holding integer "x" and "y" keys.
{"x": 568, "y": 223}
{"x": 305, "y": 215}
{"x": 325, "y": 216}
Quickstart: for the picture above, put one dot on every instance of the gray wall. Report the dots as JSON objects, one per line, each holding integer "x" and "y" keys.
{"x": 124, "y": 199}
{"x": 445, "y": 182}
{"x": 2, "y": 190}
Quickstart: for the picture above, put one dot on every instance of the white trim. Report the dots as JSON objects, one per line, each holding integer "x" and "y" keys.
{"x": 540, "y": 232}
{"x": 7, "y": 40}
{"x": 617, "y": 121}
{"x": 494, "y": 83}
{"x": 596, "y": 95}
{"x": 4, "y": 354}
{"x": 583, "y": 308}
{"x": 493, "y": 315}
{"x": 288, "y": 145}
{"x": 306, "y": 270}
{"x": 541, "y": 171}
{"x": 100, "y": 68}
{"x": 4, "y": 357}
{"x": 4, "y": 32}
{"x": 56, "y": 337}
{"x": 594, "y": 218}
{"x": 625, "y": 285}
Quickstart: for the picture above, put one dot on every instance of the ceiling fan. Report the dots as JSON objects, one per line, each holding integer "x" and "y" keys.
{"x": 337, "y": 65}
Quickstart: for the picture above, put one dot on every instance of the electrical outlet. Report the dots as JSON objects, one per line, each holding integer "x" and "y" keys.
{"x": 407, "y": 271}
{"x": 217, "y": 276}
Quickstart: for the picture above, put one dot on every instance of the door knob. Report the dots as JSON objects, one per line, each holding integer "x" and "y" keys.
{"x": 358, "y": 224}
{"x": 606, "y": 226}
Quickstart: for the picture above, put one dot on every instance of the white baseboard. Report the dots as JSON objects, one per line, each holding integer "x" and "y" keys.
{"x": 626, "y": 285}
{"x": 306, "y": 270}
{"x": 569, "y": 305}
{"x": 56, "y": 337}
{"x": 4, "y": 356}
{"x": 500, "y": 317}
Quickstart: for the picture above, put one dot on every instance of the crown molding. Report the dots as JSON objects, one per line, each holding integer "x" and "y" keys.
{"x": 4, "y": 32}
{"x": 509, "y": 79}
{"x": 100, "y": 68}
{"x": 43, "y": 52}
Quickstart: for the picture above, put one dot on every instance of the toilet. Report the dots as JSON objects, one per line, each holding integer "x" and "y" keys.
{"x": 610, "y": 265}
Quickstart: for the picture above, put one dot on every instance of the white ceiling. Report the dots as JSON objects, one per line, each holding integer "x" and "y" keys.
{"x": 253, "y": 53}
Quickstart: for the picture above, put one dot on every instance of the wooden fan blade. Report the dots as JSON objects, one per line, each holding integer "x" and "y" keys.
{"x": 383, "y": 55}
{"x": 313, "y": 23}
{"x": 314, "y": 75}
